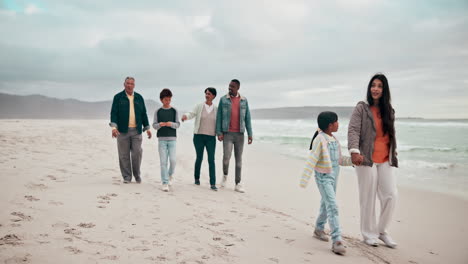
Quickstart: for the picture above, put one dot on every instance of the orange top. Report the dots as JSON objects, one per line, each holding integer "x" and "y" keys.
{"x": 382, "y": 142}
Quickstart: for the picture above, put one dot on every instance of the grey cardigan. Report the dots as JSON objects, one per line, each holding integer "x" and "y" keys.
{"x": 361, "y": 135}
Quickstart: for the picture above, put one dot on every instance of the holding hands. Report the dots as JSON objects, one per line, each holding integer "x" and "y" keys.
{"x": 357, "y": 159}
{"x": 165, "y": 124}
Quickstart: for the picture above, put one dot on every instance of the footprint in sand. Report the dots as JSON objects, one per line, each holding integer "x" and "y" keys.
{"x": 223, "y": 241}
{"x": 275, "y": 260}
{"x": 36, "y": 186}
{"x": 111, "y": 257}
{"x": 72, "y": 231}
{"x": 22, "y": 217}
{"x": 42, "y": 236}
{"x": 18, "y": 259}
{"x": 158, "y": 258}
{"x": 73, "y": 250}
{"x": 55, "y": 203}
{"x": 250, "y": 217}
{"x": 31, "y": 198}
{"x": 86, "y": 225}
{"x": 216, "y": 224}
{"x": 60, "y": 225}
{"x": 52, "y": 177}
{"x": 138, "y": 248}
{"x": 10, "y": 239}
{"x": 105, "y": 199}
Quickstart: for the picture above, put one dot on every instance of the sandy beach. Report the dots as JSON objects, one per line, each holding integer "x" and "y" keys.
{"x": 63, "y": 201}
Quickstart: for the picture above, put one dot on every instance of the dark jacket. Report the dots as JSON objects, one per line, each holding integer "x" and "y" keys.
{"x": 120, "y": 112}
{"x": 362, "y": 133}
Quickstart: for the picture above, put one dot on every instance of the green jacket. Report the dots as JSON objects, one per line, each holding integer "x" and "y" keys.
{"x": 223, "y": 117}
{"x": 120, "y": 112}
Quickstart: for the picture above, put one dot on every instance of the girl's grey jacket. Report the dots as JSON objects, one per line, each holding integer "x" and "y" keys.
{"x": 362, "y": 132}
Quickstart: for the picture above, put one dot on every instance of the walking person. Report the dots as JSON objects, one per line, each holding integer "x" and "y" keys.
{"x": 232, "y": 120}
{"x": 128, "y": 120}
{"x": 166, "y": 122}
{"x": 371, "y": 133}
{"x": 324, "y": 160}
{"x": 204, "y": 134}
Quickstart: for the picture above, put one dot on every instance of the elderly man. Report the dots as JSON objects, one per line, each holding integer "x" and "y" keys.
{"x": 128, "y": 120}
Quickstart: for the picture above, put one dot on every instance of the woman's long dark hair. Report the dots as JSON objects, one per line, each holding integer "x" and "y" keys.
{"x": 385, "y": 105}
{"x": 323, "y": 120}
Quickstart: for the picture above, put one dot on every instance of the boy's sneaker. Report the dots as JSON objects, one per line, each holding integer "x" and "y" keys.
{"x": 338, "y": 248}
{"x": 223, "y": 182}
{"x": 213, "y": 187}
{"x": 126, "y": 181}
{"x": 371, "y": 242}
{"x": 197, "y": 182}
{"x": 239, "y": 188}
{"x": 388, "y": 240}
{"x": 138, "y": 180}
{"x": 165, "y": 187}
{"x": 171, "y": 179}
{"x": 320, "y": 235}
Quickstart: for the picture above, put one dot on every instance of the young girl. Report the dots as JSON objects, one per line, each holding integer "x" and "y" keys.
{"x": 325, "y": 158}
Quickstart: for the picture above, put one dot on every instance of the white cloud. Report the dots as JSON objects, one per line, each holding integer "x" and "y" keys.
{"x": 31, "y": 9}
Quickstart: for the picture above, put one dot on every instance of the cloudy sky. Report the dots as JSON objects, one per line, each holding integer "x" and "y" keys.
{"x": 285, "y": 53}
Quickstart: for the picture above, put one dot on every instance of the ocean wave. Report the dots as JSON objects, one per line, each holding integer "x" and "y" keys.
{"x": 421, "y": 164}
{"x": 420, "y": 148}
{"x": 432, "y": 124}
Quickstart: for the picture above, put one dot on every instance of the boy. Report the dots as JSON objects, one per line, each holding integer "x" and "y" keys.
{"x": 166, "y": 121}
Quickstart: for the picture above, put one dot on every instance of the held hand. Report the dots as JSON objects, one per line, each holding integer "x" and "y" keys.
{"x": 184, "y": 117}
{"x": 162, "y": 124}
{"x": 168, "y": 124}
{"x": 220, "y": 137}
{"x": 115, "y": 133}
{"x": 250, "y": 140}
{"x": 148, "y": 132}
{"x": 356, "y": 158}
{"x": 361, "y": 158}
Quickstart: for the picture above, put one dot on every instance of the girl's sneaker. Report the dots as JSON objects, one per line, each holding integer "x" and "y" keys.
{"x": 320, "y": 235}
{"x": 338, "y": 248}
{"x": 165, "y": 187}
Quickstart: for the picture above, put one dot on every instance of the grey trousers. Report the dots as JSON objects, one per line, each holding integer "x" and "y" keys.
{"x": 130, "y": 153}
{"x": 233, "y": 140}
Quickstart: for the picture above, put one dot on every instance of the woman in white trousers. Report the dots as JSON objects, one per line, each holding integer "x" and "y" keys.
{"x": 371, "y": 133}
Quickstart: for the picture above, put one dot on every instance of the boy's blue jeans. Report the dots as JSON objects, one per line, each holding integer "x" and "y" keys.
{"x": 167, "y": 154}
